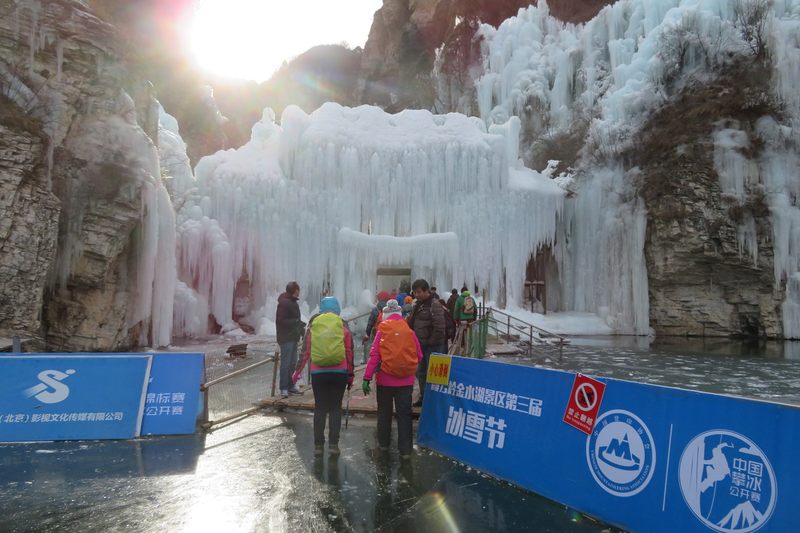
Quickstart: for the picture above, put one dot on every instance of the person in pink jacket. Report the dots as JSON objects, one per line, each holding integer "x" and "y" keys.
{"x": 394, "y": 357}
{"x": 329, "y": 345}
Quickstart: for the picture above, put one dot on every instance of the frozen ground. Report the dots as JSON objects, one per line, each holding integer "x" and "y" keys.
{"x": 258, "y": 475}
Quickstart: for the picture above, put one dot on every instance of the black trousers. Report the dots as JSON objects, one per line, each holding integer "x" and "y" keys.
{"x": 328, "y": 392}
{"x": 401, "y": 396}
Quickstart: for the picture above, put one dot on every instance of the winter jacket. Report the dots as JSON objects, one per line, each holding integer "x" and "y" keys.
{"x": 373, "y": 318}
{"x": 459, "y": 314}
{"x": 288, "y": 324}
{"x": 345, "y": 367}
{"x": 383, "y": 378}
{"x": 451, "y": 304}
{"x": 428, "y": 322}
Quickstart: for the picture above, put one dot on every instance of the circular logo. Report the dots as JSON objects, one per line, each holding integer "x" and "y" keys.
{"x": 621, "y": 453}
{"x": 728, "y": 482}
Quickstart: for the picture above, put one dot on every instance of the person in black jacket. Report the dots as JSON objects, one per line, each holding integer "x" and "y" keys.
{"x": 451, "y": 302}
{"x": 289, "y": 328}
{"x": 428, "y": 322}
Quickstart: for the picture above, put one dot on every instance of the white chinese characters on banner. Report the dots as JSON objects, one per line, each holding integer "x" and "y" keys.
{"x": 100, "y": 416}
{"x": 164, "y": 403}
{"x": 746, "y": 479}
{"x": 495, "y": 398}
{"x": 473, "y": 426}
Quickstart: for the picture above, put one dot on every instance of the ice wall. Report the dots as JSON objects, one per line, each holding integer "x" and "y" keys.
{"x": 611, "y": 73}
{"x": 175, "y": 166}
{"x": 327, "y": 198}
{"x": 600, "y": 251}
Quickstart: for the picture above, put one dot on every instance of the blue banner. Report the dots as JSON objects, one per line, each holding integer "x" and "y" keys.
{"x": 72, "y": 397}
{"x": 173, "y": 394}
{"x": 657, "y": 458}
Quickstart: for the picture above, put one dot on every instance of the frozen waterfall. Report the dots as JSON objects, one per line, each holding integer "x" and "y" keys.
{"x": 328, "y": 198}
{"x": 611, "y": 73}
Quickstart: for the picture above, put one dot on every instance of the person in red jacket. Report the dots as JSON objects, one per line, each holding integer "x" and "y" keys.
{"x": 329, "y": 345}
{"x": 394, "y": 357}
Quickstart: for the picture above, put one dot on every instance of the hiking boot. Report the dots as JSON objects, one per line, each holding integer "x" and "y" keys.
{"x": 333, "y": 449}
{"x": 319, "y": 449}
{"x": 295, "y": 391}
{"x": 284, "y": 394}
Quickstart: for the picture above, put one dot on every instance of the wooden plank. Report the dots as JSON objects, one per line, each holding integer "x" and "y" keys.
{"x": 360, "y": 404}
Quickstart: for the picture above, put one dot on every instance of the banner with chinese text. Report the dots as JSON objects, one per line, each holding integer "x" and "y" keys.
{"x": 657, "y": 459}
{"x": 72, "y": 397}
{"x": 173, "y": 394}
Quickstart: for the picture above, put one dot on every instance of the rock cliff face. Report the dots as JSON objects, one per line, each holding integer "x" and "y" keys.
{"x": 400, "y": 53}
{"x": 73, "y": 159}
{"x": 701, "y": 280}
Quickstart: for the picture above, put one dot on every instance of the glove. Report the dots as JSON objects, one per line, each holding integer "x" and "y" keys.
{"x": 365, "y": 387}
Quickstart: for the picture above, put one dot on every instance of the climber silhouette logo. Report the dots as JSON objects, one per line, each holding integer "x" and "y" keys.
{"x": 728, "y": 481}
{"x": 50, "y": 389}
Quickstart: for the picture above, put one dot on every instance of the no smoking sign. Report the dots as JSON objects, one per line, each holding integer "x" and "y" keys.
{"x": 584, "y": 403}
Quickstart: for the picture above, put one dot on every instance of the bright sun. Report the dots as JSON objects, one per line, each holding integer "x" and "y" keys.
{"x": 251, "y": 38}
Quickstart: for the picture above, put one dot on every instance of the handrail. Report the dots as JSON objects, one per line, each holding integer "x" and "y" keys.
{"x": 561, "y": 338}
{"x": 207, "y": 385}
{"x": 354, "y": 318}
{"x": 518, "y": 330}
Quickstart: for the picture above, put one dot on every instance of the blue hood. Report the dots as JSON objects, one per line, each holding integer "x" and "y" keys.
{"x": 330, "y": 304}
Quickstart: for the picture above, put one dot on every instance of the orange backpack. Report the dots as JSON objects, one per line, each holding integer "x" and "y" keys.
{"x": 398, "y": 349}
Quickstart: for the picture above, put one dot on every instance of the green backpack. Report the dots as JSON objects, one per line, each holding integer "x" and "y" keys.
{"x": 327, "y": 340}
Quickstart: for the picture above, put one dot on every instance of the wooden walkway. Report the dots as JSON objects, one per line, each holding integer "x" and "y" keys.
{"x": 359, "y": 404}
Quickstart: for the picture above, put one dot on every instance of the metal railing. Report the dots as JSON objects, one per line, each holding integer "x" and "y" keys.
{"x": 235, "y": 387}
{"x": 510, "y": 328}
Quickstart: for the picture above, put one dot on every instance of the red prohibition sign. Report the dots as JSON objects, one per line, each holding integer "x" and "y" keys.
{"x": 586, "y": 396}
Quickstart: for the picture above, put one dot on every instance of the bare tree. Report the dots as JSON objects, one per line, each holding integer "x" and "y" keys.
{"x": 751, "y": 20}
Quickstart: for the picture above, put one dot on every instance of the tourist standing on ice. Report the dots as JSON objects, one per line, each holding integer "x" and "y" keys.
{"x": 451, "y": 302}
{"x": 428, "y": 322}
{"x": 394, "y": 357}
{"x": 289, "y": 328}
{"x": 465, "y": 308}
{"x": 408, "y": 305}
{"x": 374, "y": 316}
{"x": 450, "y": 326}
{"x": 329, "y": 345}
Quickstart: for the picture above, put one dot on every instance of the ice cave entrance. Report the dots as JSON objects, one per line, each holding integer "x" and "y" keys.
{"x": 393, "y": 279}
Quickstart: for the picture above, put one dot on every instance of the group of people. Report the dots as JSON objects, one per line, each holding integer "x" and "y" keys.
{"x": 402, "y": 341}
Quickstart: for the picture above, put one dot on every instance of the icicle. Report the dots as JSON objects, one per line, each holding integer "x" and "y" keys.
{"x": 413, "y": 189}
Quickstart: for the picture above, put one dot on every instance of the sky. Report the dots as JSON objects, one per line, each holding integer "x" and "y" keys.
{"x": 250, "y": 39}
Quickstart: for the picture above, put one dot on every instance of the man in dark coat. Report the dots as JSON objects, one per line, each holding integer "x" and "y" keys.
{"x": 289, "y": 328}
{"x": 428, "y": 322}
{"x": 451, "y": 302}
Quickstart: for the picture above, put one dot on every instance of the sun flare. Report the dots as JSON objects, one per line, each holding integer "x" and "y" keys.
{"x": 250, "y": 39}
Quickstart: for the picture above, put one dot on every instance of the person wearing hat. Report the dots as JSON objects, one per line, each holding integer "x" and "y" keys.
{"x": 289, "y": 327}
{"x": 329, "y": 346}
{"x": 374, "y": 316}
{"x": 408, "y": 305}
{"x": 394, "y": 358}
